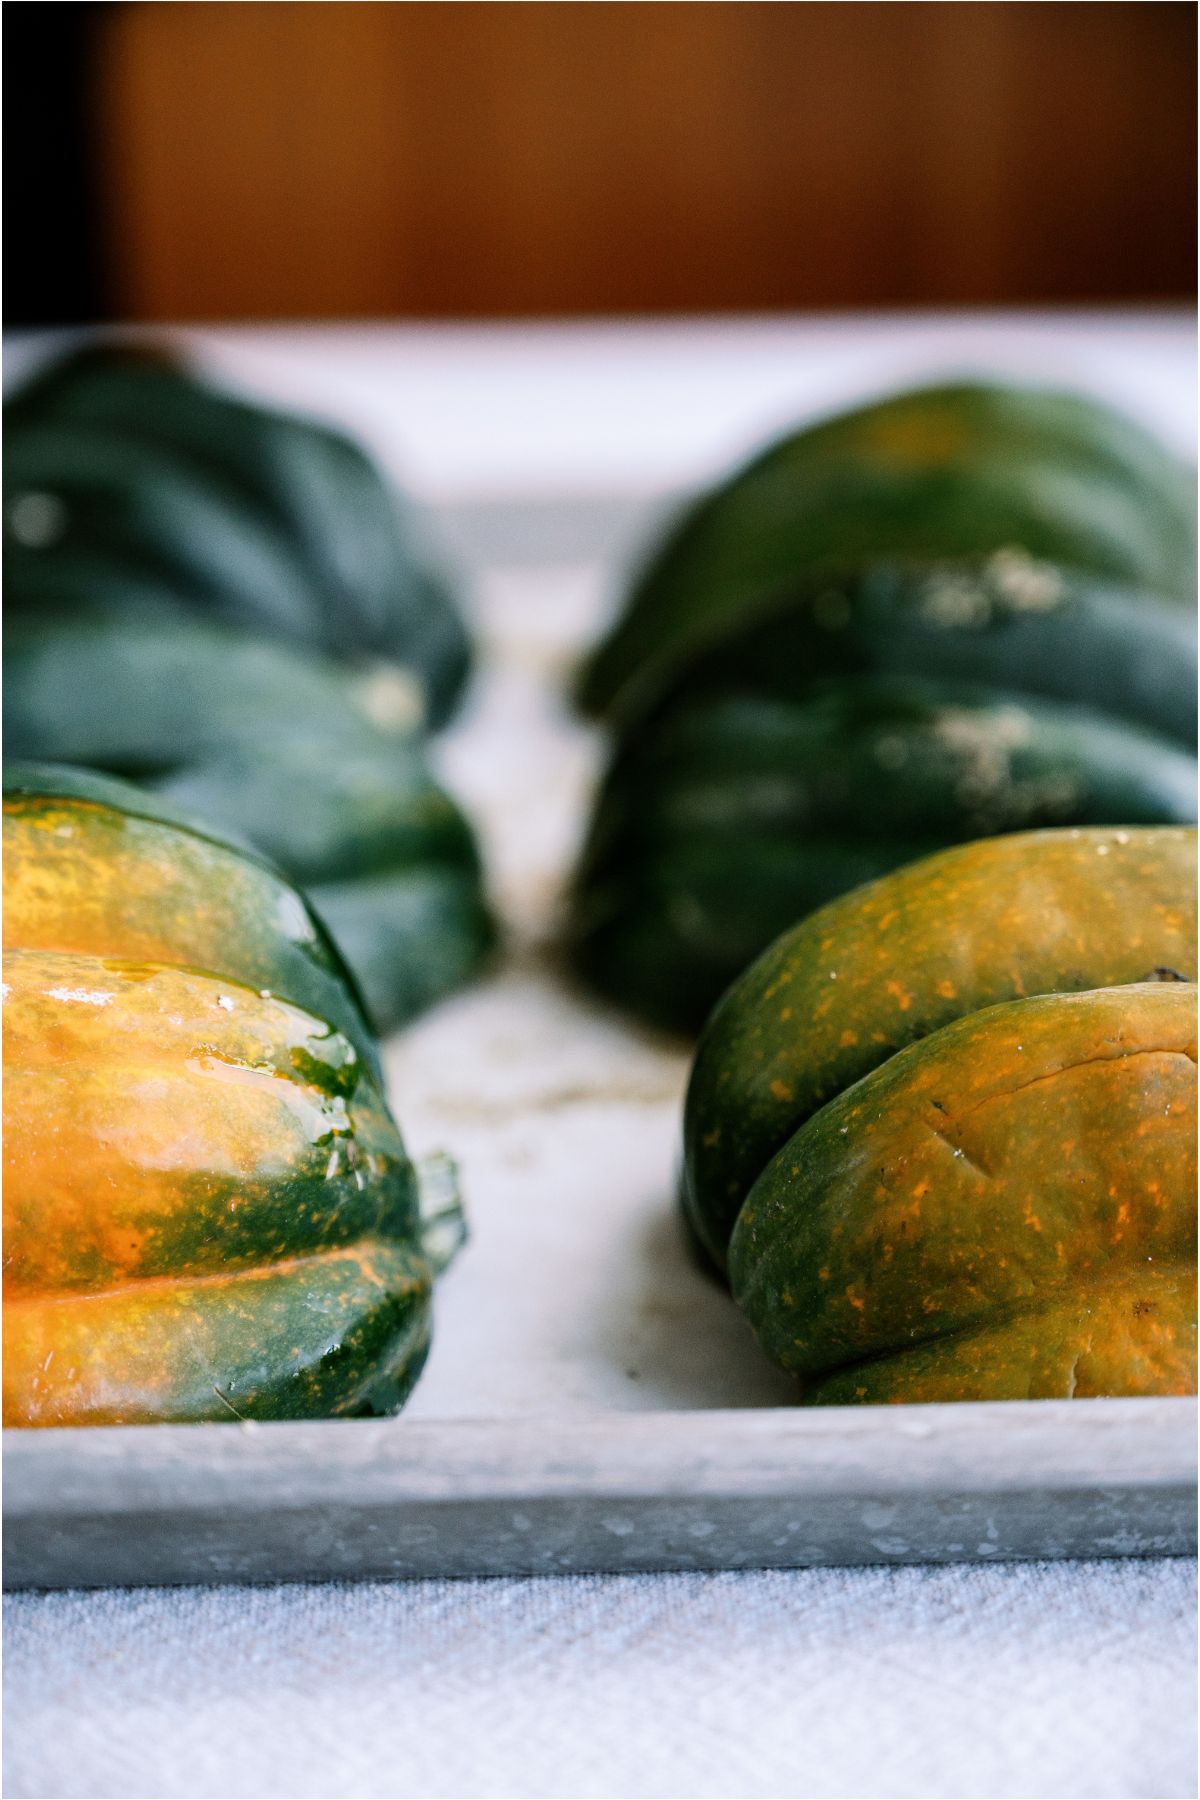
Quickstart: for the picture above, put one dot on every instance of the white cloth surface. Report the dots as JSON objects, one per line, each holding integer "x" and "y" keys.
{"x": 1035, "y": 1680}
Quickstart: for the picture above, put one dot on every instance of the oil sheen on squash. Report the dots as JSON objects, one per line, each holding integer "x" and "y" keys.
{"x": 95, "y": 851}
{"x": 209, "y": 1213}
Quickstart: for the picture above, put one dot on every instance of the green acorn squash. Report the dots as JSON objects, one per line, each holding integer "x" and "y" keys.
{"x": 1006, "y": 622}
{"x": 209, "y": 1213}
{"x": 940, "y": 474}
{"x": 721, "y": 821}
{"x": 285, "y": 750}
{"x": 228, "y": 605}
{"x": 135, "y": 490}
{"x": 951, "y": 612}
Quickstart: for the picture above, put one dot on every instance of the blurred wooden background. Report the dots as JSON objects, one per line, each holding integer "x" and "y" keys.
{"x": 324, "y": 160}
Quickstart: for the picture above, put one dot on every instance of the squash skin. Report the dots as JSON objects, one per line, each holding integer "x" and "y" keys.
{"x": 343, "y": 1334}
{"x": 181, "y": 498}
{"x": 1009, "y": 1202}
{"x": 1009, "y": 560}
{"x": 80, "y": 849}
{"x": 144, "y": 701}
{"x": 208, "y": 1210}
{"x": 228, "y": 604}
{"x": 937, "y": 474}
{"x": 379, "y": 920}
{"x": 721, "y": 821}
{"x": 281, "y": 749}
{"x": 1136, "y": 1331}
{"x": 178, "y": 1123}
{"x": 882, "y": 967}
{"x": 1005, "y": 621}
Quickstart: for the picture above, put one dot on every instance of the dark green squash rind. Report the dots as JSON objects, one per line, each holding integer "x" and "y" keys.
{"x": 278, "y": 748}
{"x": 1004, "y": 621}
{"x": 143, "y": 701}
{"x": 379, "y": 919}
{"x": 342, "y": 562}
{"x": 721, "y": 822}
{"x": 941, "y": 473}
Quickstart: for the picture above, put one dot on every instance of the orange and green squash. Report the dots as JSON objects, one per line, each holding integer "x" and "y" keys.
{"x": 941, "y": 1136}
{"x": 209, "y": 1213}
{"x": 1003, "y": 1211}
{"x": 885, "y": 965}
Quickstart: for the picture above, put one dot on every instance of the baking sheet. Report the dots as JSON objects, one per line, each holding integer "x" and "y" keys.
{"x": 582, "y": 1361}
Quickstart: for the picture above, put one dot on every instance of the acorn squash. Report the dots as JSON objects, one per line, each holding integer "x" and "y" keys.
{"x": 1005, "y": 621}
{"x": 209, "y": 1213}
{"x": 228, "y": 605}
{"x": 948, "y": 613}
{"x": 133, "y": 489}
{"x": 1004, "y": 1210}
{"x": 942, "y": 1135}
{"x": 884, "y": 966}
{"x": 721, "y": 821}
{"x": 286, "y": 750}
{"x": 935, "y": 475}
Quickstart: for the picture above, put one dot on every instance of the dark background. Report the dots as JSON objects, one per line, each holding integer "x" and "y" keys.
{"x": 218, "y": 161}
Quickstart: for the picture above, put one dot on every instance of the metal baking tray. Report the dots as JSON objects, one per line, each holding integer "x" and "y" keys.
{"x": 776, "y": 1488}
{"x": 593, "y": 1400}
